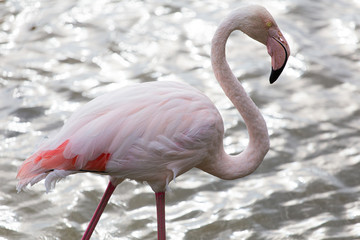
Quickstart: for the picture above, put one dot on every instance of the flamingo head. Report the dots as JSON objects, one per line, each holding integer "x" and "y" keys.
{"x": 257, "y": 23}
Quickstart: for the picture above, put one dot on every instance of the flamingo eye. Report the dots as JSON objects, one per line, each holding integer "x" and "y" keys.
{"x": 269, "y": 24}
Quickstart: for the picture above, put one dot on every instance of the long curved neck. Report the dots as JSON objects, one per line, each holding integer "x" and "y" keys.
{"x": 232, "y": 167}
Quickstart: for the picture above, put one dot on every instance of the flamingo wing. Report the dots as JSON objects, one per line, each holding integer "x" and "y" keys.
{"x": 160, "y": 127}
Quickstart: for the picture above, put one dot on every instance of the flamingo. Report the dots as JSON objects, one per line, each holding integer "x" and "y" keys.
{"x": 153, "y": 132}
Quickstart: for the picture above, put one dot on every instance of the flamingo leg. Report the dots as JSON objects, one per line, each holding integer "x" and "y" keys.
{"x": 160, "y": 209}
{"x": 99, "y": 210}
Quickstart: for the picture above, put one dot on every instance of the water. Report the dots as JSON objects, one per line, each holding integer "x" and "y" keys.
{"x": 57, "y": 55}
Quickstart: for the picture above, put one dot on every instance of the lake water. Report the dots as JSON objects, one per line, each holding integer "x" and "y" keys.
{"x": 57, "y": 55}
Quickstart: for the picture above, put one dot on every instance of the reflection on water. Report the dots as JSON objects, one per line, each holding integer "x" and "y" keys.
{"x": 57, "y": 55}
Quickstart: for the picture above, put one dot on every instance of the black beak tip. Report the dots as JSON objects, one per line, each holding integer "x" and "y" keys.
{"x": 275, "y": 75}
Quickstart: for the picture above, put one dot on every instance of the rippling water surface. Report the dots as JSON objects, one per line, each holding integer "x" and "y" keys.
{"x": 57, "y": 55}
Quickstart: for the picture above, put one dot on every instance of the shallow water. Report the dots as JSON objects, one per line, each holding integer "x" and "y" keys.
{"x": 57, "y": 55}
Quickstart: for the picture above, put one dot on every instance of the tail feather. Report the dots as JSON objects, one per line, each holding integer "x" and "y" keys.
{"x": 52, "y": 165}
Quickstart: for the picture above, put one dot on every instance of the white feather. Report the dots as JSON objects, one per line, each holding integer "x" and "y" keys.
{"x": 55, "y": 176}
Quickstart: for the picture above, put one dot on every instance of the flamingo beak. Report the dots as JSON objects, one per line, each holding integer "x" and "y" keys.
{"x": 279, "y": 51}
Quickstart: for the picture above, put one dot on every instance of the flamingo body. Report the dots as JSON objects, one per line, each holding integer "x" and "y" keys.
{"x": 156, "y": 131}
{"x": 149, "y": 132}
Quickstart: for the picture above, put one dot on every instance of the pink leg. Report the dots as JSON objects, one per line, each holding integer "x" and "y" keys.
{"x": 99, "y": 210}
{"x": 160, "y": 208}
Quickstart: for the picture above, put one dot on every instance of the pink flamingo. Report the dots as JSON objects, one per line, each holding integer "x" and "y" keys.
{"x": 156, "y": 131}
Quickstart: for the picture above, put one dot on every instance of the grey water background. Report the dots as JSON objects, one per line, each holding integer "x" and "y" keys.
{"x": 57, "y": 55}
